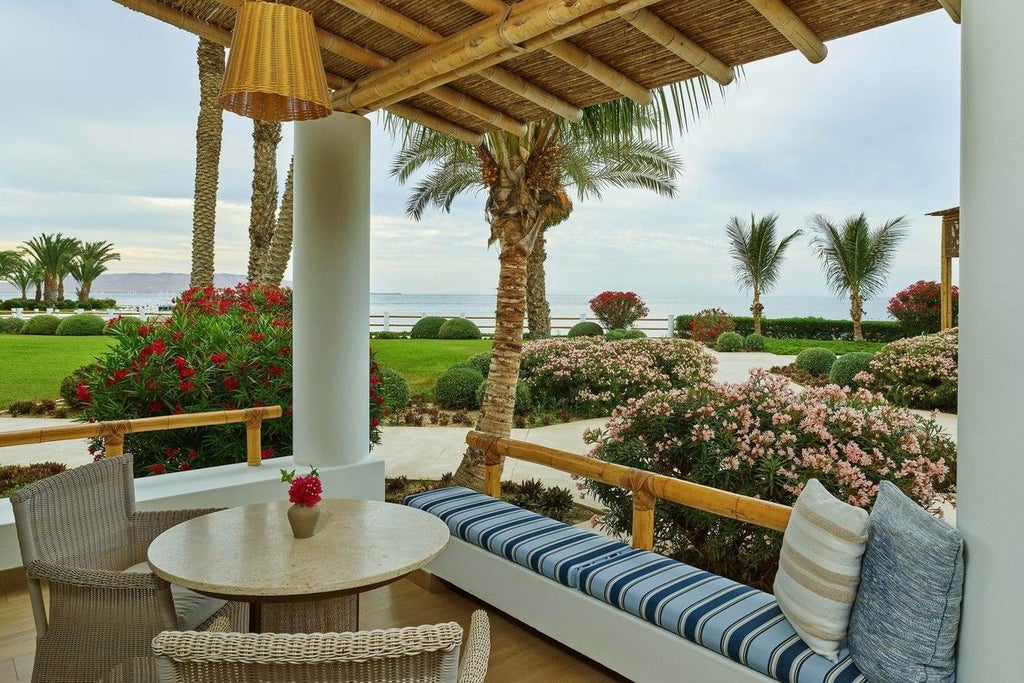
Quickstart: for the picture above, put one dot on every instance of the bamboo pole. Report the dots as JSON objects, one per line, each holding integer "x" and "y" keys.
{"x": 946, "y": 294}
{"x": 792, "y": 27}
{"x": 107, "y": 430}
{"x": 678, "y": 43}
{"x": 724, "y": 503}
{"x": 480, "y": 66}
{"x": 952, "y": 8}
{"x": 488, "y": 37}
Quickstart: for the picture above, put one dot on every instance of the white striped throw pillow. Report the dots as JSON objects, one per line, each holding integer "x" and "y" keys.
{"x": 819, "y": 567}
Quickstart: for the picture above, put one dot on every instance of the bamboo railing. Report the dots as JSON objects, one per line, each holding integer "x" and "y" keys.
{"x": 646, "y": 487}
{"x": 113, "y": 432}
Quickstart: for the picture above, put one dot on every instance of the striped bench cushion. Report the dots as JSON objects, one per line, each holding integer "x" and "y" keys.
{"x": 738, "y": 621}
{"x": 534, "y": 541}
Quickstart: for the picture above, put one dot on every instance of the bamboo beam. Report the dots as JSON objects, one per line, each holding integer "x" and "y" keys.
{"x": 490, "y": 36}
{"x": 679, "y": 44}
{"x": 792, "y": 27}
{"x": 952, "y": 8}
{"x": 418, "y": 33}
{"x": 91, "y": 430}
{"x": 723, "y": 503}
{"x": 579, "y": 59}
{"x": 221, "y": 36}
{"x": 561, "y": 32}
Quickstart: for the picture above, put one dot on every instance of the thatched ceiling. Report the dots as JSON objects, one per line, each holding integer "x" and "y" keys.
{"x": 467, "y": 67}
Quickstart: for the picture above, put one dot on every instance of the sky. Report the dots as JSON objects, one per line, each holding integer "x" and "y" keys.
{"x": 99, "y": 143}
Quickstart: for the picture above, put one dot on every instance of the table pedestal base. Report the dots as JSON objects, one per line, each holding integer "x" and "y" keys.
{"x": 314, "y": 616}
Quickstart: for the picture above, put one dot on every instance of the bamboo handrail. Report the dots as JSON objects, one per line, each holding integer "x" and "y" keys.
{"x": 647, "y": 487}
{"x": 113, "y": 432}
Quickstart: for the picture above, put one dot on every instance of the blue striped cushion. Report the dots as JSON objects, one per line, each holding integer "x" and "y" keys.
{"x": 534, "y": 541}
{"x": 740, "y": 622}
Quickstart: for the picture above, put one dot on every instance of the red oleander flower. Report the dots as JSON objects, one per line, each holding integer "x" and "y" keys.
{"x": 185, "y": 387}
{"x": 305, "y": 490}
{"x": 230, "y": 383}
{"x": 82, "y": 392}
{"x": 219, "y": 359}
{"x": 157, "y": 468}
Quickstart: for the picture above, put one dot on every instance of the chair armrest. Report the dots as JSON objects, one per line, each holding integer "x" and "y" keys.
{"x": 148, "y": 525}
{"x": 473, "y": 667}
{"x": 94, "y": 578}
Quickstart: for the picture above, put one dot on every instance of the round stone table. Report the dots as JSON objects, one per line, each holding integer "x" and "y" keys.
{"x": 298, "y": 585}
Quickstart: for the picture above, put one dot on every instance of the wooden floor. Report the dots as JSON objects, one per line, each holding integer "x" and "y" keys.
{"x": 517, "y": 653}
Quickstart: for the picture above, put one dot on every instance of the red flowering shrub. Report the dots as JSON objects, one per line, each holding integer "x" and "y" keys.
{"x": 618, "y": 310}
{"x": 220, "y": 350}
{"x": 707, "y": 325}
{"x": 918, "y": 308}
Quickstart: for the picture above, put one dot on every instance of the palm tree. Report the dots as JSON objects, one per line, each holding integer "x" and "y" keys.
{"x": 53, "y": 253}
{"x": 276, "y": 260}
{"x": 23, "y": 275}
{"x": 209, "y": 129}
{"x": 538, "y": 312}
{"x": 266, "y": 135}
{"x": 856, "y": 259}
{"x": 757, "y": 256}
{"x": 90, "y": 263}
{"x": 523, "y": 177}
{"x": 10, "y": 261}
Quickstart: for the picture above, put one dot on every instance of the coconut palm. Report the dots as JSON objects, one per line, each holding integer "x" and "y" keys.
{"x": 266, "y": 135}
{"x": 856, "y": 259}
{"x": 90, "y": 263}
{"x": 53, "y": 252}
{"x": 757, "y": 255}
{"x": 209, "y": 129}
{"x": 524, "y": 176}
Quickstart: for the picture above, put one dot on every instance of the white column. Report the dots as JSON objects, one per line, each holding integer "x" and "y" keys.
{"x": 991, "y": 401}
{"x": 332, "y": 290}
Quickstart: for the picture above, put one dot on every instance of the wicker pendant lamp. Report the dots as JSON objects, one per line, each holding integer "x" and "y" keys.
{"x": 274, "y": 70}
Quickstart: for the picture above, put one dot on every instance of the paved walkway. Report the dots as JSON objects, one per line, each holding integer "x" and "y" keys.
{"x": 428, "y": 452}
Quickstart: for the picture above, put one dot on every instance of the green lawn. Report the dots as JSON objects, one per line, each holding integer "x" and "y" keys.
{"x": 791, "y": 347}
{"x": 32, "y": 367}
{"x": 421, "y": 361}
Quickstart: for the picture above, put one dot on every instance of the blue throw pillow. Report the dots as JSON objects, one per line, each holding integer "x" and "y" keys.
{"x": 904, "y": 622}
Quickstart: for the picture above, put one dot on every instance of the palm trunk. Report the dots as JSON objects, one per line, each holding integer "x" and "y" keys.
{"x": 265, "y": 137}
{"x": 538, "y": 310}
{"x": 209, "y": 129}
{"x": 506, "y": 353}
{"x": 86, "y": 289}
{"x": 39, "y": 292}
{"x": 49, "y": 289}
{"x": 60, "y": 288}
{"x": 856, "y": 311}
{"x": 756, "y": 308}
{"x": 281, "y": 243}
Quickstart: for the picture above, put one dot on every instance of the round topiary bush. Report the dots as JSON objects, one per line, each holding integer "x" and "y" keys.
{"x": 586, "y": 329}
{"x": 729, "y": 342}
{"x": 754, "y": 342}
{"x": 480, "y": 361}
{"x": 619, "y": 333}
{"x": 459, "y": 328}
{"x": 918, "y": 372}
{"x": 123, "y": 324}
{"x": 524, "y": 398}
{"x": 82, "y": 325}
{"x": 456, "y": 388}
{"x": 11, "y": 325}
{"x": 847, "y": 366}
{"x": 815, "y": 360}
{"x": 427, "y": 328}
{"x": 41, "y": 324}
{"x": 394, "y": 388}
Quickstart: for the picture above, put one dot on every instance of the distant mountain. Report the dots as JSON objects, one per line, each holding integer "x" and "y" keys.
{"x": 139, "y": 283}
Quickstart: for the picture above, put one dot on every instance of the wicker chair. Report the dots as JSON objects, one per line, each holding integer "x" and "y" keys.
{"x": 79, "y": 532}
{"x": 412, "y": 654}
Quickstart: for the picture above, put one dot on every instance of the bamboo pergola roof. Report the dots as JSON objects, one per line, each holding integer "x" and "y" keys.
{"x": 468, "y": 67}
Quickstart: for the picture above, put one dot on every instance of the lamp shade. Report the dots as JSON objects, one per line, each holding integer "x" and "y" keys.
{"x": 274, "y": 70}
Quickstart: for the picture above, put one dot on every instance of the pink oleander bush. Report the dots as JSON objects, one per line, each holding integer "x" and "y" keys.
{"x": 618, "y": 310}
{"x": 221, "y": 349}
{"x": 763, "y": 439}
{"x": 917, "y": 372}
{"x": 590, "y": 376}
{"x": 918, "y": 308}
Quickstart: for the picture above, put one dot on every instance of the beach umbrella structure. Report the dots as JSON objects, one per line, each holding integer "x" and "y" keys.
{"x": 467, "y": 67}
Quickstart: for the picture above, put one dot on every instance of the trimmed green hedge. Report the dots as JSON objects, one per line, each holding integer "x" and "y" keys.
{"x": 884, "y": 331}
{"x": 82, "y": 325}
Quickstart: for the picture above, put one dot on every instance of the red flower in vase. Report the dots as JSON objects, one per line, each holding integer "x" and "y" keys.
{"x": 305, "y": 491}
